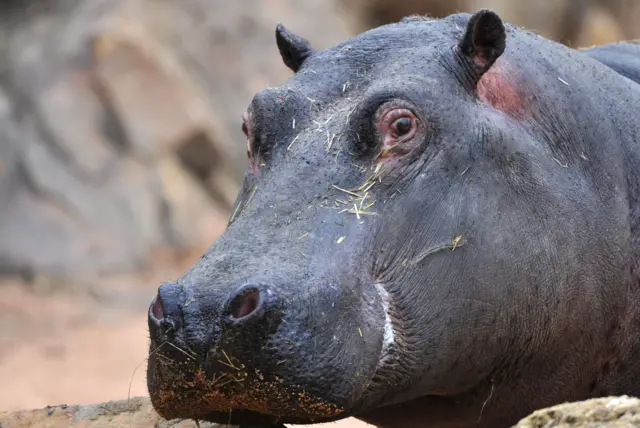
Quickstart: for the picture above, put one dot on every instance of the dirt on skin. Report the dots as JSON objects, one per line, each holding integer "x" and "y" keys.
{"x": 80, "y": 343}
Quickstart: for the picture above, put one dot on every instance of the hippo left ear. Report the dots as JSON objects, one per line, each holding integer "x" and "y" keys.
{"x": 293, "y": 48}
{"x": 483, "y": 42}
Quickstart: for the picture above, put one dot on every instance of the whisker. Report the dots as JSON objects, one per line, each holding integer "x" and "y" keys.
{"x": 193, "y": 357}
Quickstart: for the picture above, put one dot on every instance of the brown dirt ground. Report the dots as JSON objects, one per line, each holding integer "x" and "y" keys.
{"x": 79, "y": 343}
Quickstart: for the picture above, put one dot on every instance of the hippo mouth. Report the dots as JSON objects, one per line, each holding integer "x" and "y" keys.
{"x": 215, "y": 386}
{"x": 234, "y": 397}
{"x": 247, "y": 401}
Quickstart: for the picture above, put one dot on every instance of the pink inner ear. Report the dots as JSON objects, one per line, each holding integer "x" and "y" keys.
{"x": 498, "y": 90}
{"x": 480, "y": 60}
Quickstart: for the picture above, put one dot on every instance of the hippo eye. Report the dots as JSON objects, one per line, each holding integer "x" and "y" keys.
{"x": 402, "y": 126}
{"x": 396, "y": 126}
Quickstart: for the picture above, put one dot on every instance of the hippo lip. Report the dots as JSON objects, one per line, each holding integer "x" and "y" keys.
{"x": 241, "y": 417}
{"x": 238, "y": 395}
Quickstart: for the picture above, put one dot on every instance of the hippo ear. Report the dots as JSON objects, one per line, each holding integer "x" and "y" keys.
{"x": 483, "y": 42}
{"x": 293, "y": 48}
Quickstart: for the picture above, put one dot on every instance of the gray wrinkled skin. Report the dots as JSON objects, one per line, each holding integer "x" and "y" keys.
{"x": 488, "y": 270}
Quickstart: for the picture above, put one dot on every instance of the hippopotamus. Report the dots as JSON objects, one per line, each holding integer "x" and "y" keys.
{"x": 439, "y": 226}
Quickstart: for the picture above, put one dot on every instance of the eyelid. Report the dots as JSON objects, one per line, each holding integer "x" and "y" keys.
{"x": 396, "y": 112}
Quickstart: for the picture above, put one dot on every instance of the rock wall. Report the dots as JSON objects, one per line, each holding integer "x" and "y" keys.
{"x": 573, "y": 22}
{"x": 120, "y": 123}
{"x": 119, "y": 119}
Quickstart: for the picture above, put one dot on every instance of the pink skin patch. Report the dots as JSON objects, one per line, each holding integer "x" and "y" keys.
{"x": 252, "y": 162}
{"x": 480, "y": 60}
{"x": 254, "y": 168}
{"x": 390, "y": 156}
{"x": 246, "y": 128}
{"x": 497, "y": 89}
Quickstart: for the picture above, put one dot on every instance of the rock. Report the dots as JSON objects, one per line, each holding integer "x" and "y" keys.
{"x": 555, "y": 19}
{"x": 134, "y": 413}
{"x": 366, "y": 14}
{"x": 120, "y": 124}
{"x": 601, "y": 27}
{"x": 568, "y": 21}
{"x": 626, "y": 13}
{"x": 615, "y": 412}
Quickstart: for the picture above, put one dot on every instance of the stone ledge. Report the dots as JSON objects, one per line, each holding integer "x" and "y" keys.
{"x": 610, "y": 412}
{"x": 614, "y": 412}
{"x": 133, "y": 413}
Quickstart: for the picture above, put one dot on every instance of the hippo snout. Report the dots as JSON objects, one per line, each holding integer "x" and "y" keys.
{"x": 244, "y": 314}
{"x": 259, "y": 348}
{"x": 246, "y": 304}
{"x": 217, "y": 348}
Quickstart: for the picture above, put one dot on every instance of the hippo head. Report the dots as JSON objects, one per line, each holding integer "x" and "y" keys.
{"x": 397, "y": 231}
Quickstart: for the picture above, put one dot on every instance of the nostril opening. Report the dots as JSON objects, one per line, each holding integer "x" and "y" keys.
{"x": 245, "y": 303}
{"x": 157, "y": 310}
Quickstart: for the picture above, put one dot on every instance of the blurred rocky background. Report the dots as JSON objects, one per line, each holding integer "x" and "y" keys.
{"x": 121, "y": 155}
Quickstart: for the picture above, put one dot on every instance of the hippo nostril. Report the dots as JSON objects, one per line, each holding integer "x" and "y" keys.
{"x": 165, "y": 311}
{"x": 245, "y": 303}
{"x": 157, "y": 310}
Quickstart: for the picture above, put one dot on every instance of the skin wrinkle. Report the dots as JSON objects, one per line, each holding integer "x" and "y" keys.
{"x": 411, "y": 246}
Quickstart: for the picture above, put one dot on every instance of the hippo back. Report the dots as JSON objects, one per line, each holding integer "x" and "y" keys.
{"x": 623, "y": 57}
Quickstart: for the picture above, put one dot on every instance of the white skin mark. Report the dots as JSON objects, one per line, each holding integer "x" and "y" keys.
{"x": 389, "y": 334}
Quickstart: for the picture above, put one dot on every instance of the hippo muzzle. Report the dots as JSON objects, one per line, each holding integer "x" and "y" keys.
{"x": 260, "y": 352}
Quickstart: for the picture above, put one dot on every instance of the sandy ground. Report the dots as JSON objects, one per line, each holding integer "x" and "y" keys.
{"x": 63, "y": 344}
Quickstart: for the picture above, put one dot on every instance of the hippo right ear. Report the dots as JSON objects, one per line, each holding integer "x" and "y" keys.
{"x": 293, "y": 48}
{"x": 483, "y": 42}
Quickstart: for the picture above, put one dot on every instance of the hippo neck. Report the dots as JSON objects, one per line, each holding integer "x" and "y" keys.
{"x": 620, "y": 372}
